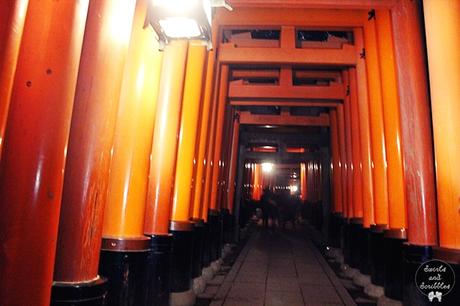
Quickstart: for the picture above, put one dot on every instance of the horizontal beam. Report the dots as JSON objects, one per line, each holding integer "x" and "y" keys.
{"x": 309, "y": 74}
{"x": 289, "y": 139}
{"x": 323, "y": 4}
{"x": 333, "y": 92}
{"x": 275, "y": 73}
{"x": 284, "y": 119}
{"x": 321, "y": 103}
{"x": 346, "y": 56}
{"x": 282, "y": 156}
{"x": 262, "y": 74}
{"x": 282, "y": 15}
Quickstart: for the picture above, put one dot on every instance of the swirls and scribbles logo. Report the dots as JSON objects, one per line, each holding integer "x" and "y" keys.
{"x": 435, "y": 279}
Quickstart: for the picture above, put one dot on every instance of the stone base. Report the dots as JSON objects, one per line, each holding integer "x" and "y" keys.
{"x": 215, "y": 265}
{"x": 226, "y": 250}
{"x": 208, "y": 273}
{"x": 186, "y": 298}
{"x": 386, "y": 301}
{"x": 348, "y": 272}
{"x": 361, "y": 280}
{"x": 374, "y": 291}
{"x": 199, "y": 284}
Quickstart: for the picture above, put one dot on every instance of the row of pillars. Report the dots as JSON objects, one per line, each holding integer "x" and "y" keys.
{"x": 384, "y": 169}
{"x": 113, "y": 172}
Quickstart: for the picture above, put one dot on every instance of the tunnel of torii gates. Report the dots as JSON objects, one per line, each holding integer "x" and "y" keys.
{"x": 124, "y": 168}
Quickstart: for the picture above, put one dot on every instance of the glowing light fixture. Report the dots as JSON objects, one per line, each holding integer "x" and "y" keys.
{"x": 293, "y": 188}
{"x": 182, "y": 19}
{"x": 267, "y": 167}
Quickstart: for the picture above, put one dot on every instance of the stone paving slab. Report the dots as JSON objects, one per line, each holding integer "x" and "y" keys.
{"x": 278, "y": 268}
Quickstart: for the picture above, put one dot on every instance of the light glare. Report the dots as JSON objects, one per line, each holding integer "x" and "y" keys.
{"x": 267, "y": 167}
{"x": 179, "y": 27}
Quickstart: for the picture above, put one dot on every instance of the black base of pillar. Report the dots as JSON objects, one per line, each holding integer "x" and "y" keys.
{"x": 365, "y": 242}
{"x": 124, "y": 263}
{"x": 198, "y": 240}
{"x": 79, "y": 294}
{"x": 159, "y": 270}
{"x": 377, "y": 256}
{"x": 228, "y": 231}
{"x": 206, "y": 246}
{"x": 335, "y": 229}
{"x": 355, "y": 230}
{"x": 215, "y": 231}
{"x": 393, "y": 252}
{"x": 452, "y": 257}
{"x": 346, "y": 243}
{"x": 413, "y": 257}
{"x": 182, "y": 252}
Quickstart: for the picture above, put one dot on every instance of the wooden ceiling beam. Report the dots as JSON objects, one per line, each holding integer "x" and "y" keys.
{"x": 284, "y": 119}
{"x": 265, "y": 16}
{"x": 331, "y": 103}
{"x": 261, "y": 74}
{"x": 332, "y": 92}
{"x": 346, "y": 56}
{"x": 319, "y": 4}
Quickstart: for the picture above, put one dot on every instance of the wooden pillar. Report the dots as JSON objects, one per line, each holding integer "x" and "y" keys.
{"x": 222, "y": 101}
{"x": 336, "y": 163}
{"x": 379, "y": 159}
{"x": 233, "y": 163}
{"x": 12, "y": 19}
{"x": 164, "y": 146}
{"x": 34, "y": 148}
{"x": 356, "y": 148}
{"x": 442, "y": 26}
{"x": 303, "y": 181}
{"x": 417, "y": 141}
{"x": 104, "y": 53}
{"x": 364, "y": 131}
{"x": 188, "y": 131}
{"x": 206, "y": 188}
{"x": 349, "y": 149}
{"x": 343, "y": 157}
{"x": 391, "y": 117}
{"x": 124, "y": 247}
{"x": 124, "y": 211}
{"x": 206, "y": 117}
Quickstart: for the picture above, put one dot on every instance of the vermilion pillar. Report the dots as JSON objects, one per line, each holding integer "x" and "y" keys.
{"x": 364, "y": 131}
{"x": 12, "y": 18}
{"x": 356, "y": 148}
{"x": 303, "y": 182}
{"x": 417, "y": 142}
{"x": 201, "y": 155}
{"x": 442, "y": 26}
{"x": 379, "y": 159}
{"x": 343, "y": 157}
{"x": 396, "y": 183}
{"x": 104, "y": 53}
{"x": 210, "y": 148}
{"x": 164, "y": 147}
{"x": 188, "y": 131}
{"x": 349, "y": 149}
{"x": 162, "y": 167}
{"x": 233, "y": 162}
{"x": 125, "y": 249}
{"x": 222, "y": 101}
{"x": 34, "y": 149}
{"x": 336, "y": 163}
{"x": 187, "y": 237}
